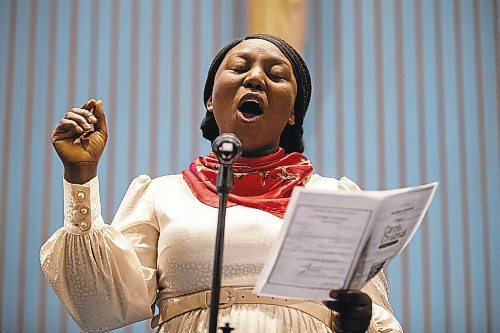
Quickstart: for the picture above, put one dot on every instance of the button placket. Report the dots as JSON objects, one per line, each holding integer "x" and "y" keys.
{"x": 81, "y": 197}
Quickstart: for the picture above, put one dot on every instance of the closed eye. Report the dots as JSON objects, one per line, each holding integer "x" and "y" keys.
{"x": 274, "y": 77}
{"x": 276, "y": 74}
{"x": 239, "y": 70}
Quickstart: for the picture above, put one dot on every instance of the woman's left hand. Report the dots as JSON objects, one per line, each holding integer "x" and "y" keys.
{"x": 354, "y": 309}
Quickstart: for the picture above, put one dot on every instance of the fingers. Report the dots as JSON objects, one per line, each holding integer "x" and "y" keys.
{"x": 66, "y": 129}
{"x": 348, "y": 309}
{"x": 89, "y": 105}
{"x": 353, "y": 310}
{"x": 349, "y": 319}
{"x": 76, "y": 121}
{"x": 82, "y": 117}
{"x": 100, "y": 123}
{"x": 350, "y": 302}
{"x": 352, "y": 296}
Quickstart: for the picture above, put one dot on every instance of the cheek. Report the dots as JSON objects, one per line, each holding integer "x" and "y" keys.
{"x": 223, "y": 97}
{"x": 285, "y": 100}
{"x": 225, "y": 83}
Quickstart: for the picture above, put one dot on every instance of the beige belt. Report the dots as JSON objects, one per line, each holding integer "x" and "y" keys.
{"x": 230, "y": 296}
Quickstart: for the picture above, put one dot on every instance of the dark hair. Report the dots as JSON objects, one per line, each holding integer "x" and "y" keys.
{"x": 291, "y": 139}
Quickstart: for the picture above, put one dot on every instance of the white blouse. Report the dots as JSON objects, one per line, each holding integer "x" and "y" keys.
{"x": 159, "y": 247}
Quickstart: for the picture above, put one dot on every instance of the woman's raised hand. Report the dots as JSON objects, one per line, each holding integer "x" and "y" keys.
{"x": 354, "y": 310}
{"x": 78, "y": 145}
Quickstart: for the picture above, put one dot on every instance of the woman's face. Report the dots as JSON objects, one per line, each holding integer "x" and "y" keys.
{"x": 253, "y": 95}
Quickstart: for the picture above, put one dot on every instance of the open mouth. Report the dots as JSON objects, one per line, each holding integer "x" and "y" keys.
{"x": 251, "y": 109}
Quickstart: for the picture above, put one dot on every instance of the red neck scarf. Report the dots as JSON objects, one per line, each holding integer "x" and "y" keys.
{"x": 265, "y": 183}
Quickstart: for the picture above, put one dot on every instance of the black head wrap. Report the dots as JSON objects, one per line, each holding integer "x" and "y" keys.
{"x": 292, "y": 136}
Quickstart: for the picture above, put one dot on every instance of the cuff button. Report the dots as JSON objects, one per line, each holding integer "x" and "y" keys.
{"x": 80, "y": 195}
{"x": 83, "y": 210}
{"x": 84, "y": 225}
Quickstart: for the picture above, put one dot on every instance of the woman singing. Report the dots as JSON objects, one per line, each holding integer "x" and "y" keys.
{"x": 159, "y": 247}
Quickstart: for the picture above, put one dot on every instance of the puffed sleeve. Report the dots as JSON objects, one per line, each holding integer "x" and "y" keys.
{"x": 383, "y": 320}
{"x": 104, "y": 274}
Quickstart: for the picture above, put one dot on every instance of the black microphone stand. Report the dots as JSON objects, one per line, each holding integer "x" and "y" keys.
{"x": 225, "y": 179}
{"x": 224, "y": 186}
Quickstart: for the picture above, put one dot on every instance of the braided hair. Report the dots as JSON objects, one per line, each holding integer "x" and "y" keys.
{"x": 291, "y": 139}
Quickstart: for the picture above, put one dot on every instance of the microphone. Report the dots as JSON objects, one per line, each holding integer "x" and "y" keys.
{"x": 227, "y": 148}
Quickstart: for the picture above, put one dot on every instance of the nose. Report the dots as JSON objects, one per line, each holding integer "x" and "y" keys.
{"x": 254, "y": 79}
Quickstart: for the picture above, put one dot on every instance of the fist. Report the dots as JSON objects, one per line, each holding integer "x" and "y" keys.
{"x": 79, "y": 140}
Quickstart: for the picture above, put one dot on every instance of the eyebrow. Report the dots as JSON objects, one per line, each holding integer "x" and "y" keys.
{"x": 246, "y": 55}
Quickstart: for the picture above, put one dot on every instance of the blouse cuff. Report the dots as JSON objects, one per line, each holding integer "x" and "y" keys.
{"x": 82, "y": 207}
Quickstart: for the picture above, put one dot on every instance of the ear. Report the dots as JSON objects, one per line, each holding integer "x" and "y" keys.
{"x": 209, "y": 105}
{"x": 291, "y": 120}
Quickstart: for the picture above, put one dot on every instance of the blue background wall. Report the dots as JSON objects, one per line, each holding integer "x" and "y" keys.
{"x": 405, "y": 92}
